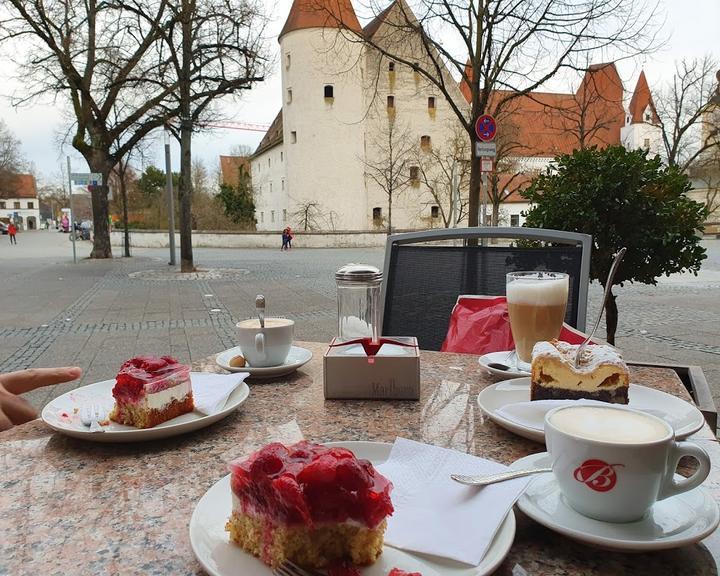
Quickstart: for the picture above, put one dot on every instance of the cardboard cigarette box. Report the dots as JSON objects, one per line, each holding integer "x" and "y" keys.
{"x": 393, "y": 373}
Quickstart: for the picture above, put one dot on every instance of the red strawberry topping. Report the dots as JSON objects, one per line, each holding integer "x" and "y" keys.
{"x": 137, "y": 372}
{"x": 398, "y": 572}
{"x": 307, "y": 483}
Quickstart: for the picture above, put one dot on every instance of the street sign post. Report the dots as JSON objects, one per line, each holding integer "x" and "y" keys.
{"x": 487, "y": 149}
{"x": 86, "y": 178}
{"x": 486, "y": 128}
{"x": 486, "y": 165}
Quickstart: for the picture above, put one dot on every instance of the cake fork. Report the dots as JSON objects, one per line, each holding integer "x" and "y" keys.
{"x": 91, "y": 412}
{"x": 291, "y": 569}
{"x": 493, "y": 478}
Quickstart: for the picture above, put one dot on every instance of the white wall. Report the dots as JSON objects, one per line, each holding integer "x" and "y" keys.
{"x": 9, "y": 210}
{"x": 268, "y": 172}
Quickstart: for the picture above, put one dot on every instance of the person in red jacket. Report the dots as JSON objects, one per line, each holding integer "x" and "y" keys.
{"x": 12, "y": 230}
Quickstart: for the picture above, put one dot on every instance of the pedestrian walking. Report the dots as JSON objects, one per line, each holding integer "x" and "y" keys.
{"x": 289, "y": 238}
{"x": 12, "y": 230}
{"x": 285, "y": 239}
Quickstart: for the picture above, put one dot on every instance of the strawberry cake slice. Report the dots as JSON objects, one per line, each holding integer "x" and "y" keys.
{"x": 314, "y": 505}
{"x": 150, "y": 390}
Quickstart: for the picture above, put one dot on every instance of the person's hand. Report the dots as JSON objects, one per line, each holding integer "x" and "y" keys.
{"x": 14, "y": 409}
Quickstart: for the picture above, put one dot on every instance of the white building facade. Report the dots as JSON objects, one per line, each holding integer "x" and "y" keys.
{"x": 19, "y": 203}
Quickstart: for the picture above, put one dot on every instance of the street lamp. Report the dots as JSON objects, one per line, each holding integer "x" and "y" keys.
{"x": 170, "y": 197}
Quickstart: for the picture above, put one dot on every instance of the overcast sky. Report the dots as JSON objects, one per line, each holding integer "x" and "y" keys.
{"x": 693, "y": 27}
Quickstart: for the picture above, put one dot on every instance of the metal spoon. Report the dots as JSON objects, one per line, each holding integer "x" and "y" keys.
{"x": 608, "y": 286}
{"x": 493, "y": 478}
{"x": 260, "y": 308}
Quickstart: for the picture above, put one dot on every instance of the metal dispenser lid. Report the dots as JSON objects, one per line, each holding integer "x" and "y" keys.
{"x": 358, "y": 273}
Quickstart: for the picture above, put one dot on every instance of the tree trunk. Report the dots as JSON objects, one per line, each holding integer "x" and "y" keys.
{"x": 389, "y": 229}
{"x": 186, "y": 124}
{"x": 495, "y": 213}
{"x": 475, "y": 181}
{"x": 611, "y": 318}
{"x": 100, "y": 209}
{"x": 123, "y": 190}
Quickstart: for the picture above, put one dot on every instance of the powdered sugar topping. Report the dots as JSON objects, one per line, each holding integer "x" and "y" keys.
{"x": 591, "y": 359}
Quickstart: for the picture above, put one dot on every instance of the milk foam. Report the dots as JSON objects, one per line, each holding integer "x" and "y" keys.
{"x": 611, "y": 425}
{"x": 269, "y": 323}
{"x": 533, "y": 291}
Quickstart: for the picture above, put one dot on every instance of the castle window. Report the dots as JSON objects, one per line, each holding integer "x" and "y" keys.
{"x": 281, "y": 156}
{"x": 284, "y": 215}
{"x": 31, "y": 205}
{"x": 270, "y": 187}
{"x": 647, "y": 117}
{"x": 289, "y": 95}
{"x": 328, "y": 91}
{"x": 293, "y": 137}
{"x": 425, "y": 142}
{"x": 414, "y": 174}
{"x": 377, "y": 215}
{"x": 16, "y": 205}
{"x": 514, "y": 219}
{"x": 268, "y": 162}
{"x": 262, "y": 216}
{"x": 434, "y": 211}
{"x": 272, "y": 215}
{"x": 391, "y": 101}
{"x": 2, "y": 205}
{"x": 282, "y": 184}
{"x": 646, "y": 143}
{"x": 287, "y": 60}
{"x": 431, "y": 102}
{"x": 391, "y": 66}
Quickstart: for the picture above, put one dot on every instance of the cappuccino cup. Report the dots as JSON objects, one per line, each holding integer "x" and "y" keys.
{"x": 268, "y": 346}
{"x": 613, "y": 463}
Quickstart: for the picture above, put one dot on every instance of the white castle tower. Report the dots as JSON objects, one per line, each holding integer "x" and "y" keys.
{"x": 322, "y": 112}
{"x": 642, "y": 124}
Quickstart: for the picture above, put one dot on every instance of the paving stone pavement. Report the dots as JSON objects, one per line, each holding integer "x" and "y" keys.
{"x": 96, "y": 314}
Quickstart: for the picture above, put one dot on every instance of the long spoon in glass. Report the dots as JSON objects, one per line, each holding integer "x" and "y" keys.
{"x": 608, "y": 286}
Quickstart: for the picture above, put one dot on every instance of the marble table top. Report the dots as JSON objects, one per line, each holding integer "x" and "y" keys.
{"x": 69, "y": 506}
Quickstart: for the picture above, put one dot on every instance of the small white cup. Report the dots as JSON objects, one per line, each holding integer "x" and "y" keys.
{"x": 615, "y": 464}
{"x": 268, "y": 346}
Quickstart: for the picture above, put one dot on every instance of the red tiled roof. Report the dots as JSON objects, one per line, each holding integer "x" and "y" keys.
{"x": 374, "y": 24}
{"x": 547, "y": 123}
{"x": 230, "y": 168}
{"x": 273, "y": 136}
{"x": 321, "y": 14}
{"x": 19, "y": 186}
{"x": 641, "y": 99}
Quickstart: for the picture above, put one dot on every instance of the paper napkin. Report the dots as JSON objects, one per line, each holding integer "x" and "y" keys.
{"x": 211, "y": 391}
{"x": 436, "y": 515}
{"x": 532, "y": 414}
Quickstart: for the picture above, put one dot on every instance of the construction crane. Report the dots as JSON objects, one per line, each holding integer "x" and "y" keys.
{"x": 247, "y": 126}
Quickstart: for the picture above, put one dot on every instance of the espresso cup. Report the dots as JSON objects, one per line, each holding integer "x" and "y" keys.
{"x": 268, "y": 346}
{"x": 613, "y": 463}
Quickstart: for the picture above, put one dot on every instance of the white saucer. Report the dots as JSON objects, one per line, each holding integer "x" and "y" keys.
{"x": 683, "y": 416}
{"x": 509, "y": 358}
{"x": 219, "y": 557}
{"x": 671, "y": 523}
{"x": 296, "y": 358}
{"x": 62, "y": 415}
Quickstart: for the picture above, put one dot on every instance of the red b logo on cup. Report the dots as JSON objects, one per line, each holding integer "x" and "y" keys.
{"x": 597, "y": 475}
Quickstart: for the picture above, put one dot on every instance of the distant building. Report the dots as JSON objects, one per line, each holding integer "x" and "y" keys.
{"x": 19, "y": 201}
{"x": 230, "y": 167}
{"x": 315, "y": 165}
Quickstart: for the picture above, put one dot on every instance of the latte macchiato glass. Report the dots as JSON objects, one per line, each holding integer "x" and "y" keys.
{"x": 268, "y": 346}
{"x": 536, "y": 304}
{"x": 613, "y": 463}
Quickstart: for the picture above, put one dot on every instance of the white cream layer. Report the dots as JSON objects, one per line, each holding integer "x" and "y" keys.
{"x": 587, "y": 381}
{"x": 160, "y": 399}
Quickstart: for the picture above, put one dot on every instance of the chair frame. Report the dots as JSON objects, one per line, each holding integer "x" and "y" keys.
{"x": 483, "y": 232}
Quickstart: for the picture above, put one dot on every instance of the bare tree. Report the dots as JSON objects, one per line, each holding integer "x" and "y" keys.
{"x": 504, "y": 49}
{"x": 445, "y": 173}
{"x": 690, "y": 130}
{"x": 308, "y": 216}
{"x": 121, "y": 177}
{"x": 387, "y": 162}
{"x": 11, "y": 159}
{"x": 213, "y": 48}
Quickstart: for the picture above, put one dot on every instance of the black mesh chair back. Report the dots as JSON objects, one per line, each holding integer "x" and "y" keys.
{"x": 423, "y": 281}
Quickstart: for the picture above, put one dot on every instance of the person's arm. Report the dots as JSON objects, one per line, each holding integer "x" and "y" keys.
{"x": 14, "y": 409}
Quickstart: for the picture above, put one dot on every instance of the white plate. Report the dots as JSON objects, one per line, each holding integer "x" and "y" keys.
{"x": 219, "y": 557}
{"x": 685, "y": 418}
{"x": 509, "y": 358}
{"x": 677, "y": 521}
{"x": 70, "y": 402}
{"x": 296, "y": 358}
